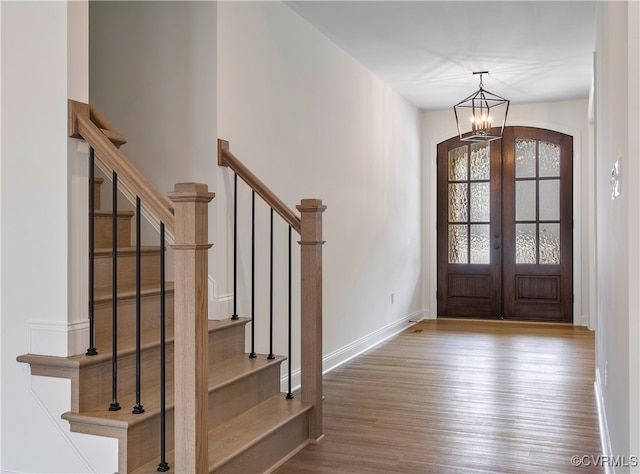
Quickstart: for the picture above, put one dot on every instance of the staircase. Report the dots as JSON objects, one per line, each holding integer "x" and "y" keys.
{"x": 252, "y": 427}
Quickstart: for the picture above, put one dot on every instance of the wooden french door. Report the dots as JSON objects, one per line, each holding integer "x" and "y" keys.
{"x": 505, "y": 222}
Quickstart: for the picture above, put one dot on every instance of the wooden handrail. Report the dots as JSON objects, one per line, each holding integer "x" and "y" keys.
{"x": 105, "y": 126}
{"x": 226, "y": 158}
{"x": 81, "y": 125}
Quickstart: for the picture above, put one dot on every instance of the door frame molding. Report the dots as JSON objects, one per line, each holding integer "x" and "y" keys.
{"x": 429, "y": 173}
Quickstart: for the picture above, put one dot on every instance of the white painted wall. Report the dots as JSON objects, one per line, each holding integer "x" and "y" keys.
{"x": 78, "y": 177}
{"x": 153, "y": 75}
{"x": 633, "y": 119}
{"x": 568, "y": 117}
{"x": 618, "y": 222}
{"x": 1, "y": 352}
{"x": 40, "y": 167}
{"x": 311, "y": 122}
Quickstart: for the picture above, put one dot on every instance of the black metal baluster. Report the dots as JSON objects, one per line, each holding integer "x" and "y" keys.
{"x": 91, "y": 351}
{"x": 235, "y": 245}
{"x": 115, "y": 406}
{"x": 253, "y": 274}
{"x": 271, "y": 355}
{"x": 163, "y": 466}
{"x": 289, "y": 394}
{"x": 138, "y": 408}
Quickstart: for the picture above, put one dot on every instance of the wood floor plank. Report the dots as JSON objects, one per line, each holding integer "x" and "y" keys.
{"x": 461, "y": 396}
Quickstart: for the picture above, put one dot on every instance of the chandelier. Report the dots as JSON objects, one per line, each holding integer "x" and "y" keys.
{"x": 486, "y": 113}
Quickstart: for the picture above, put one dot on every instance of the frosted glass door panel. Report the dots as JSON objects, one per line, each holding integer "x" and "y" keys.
{"x": 549, "y": 200}
{"x": 469, "y": 204}
{"x": 458, "y": 202}
{"x": 458, "y": 244}
{"x": 526, "y": 243}
{"x": 549, "y": 160}
{"x": 550, "y": 244}
{"x": 525, "y": 158}
{"x": 458, "y": 164}
{"x": 480, "y": 161}
{"x": 537, "y": 202}
{"x": 480, "y": 245}
{"x": 480, "y": 202}
{"x": 526, "y": 200}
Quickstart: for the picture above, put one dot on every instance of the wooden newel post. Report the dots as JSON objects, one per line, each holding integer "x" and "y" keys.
{"x": 191, "y": 327}
{"x": 311, "y": 310}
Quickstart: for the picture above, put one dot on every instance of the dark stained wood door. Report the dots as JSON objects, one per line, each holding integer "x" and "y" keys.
{"x": 505, "y": 224}
{"x": 469, "y": 229}
{"x": 538, "y": 230}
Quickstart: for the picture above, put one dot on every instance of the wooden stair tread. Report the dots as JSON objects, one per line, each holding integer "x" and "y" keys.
{"x": 126, "y": 251}
{"x": 238, "y": 434}
{"x": 104, "y": 293}
{"x": 219, "y": 325}
{"x": 234, "y": 368}
{"x": 124, "y": 418}
{"x": 235, "y": 436}
{"x": 220, "y": 374}
{"x": 57, "y": 366}
{"x": 51, "y": 366}
{"x": 107, "y": 213}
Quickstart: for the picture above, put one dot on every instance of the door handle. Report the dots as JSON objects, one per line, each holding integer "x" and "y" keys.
{"x": 496, "y": 246}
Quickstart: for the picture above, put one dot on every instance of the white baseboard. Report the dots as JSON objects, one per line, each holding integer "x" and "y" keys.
{"x": 602, "y": 422}
{"x": 337, "y": 358}
{"x": 220, "y": 306}
{"x": 582, "y": 320}
{"x": 58, "y": 338}
{"x": 78, "y": 337}
{"x": 428, "y": 314}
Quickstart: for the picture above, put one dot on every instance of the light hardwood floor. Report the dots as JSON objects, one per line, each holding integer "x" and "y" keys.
{"x": 451, "y": 396}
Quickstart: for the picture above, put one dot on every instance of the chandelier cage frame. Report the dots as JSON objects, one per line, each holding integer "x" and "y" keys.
{"x": 480, "y": 104}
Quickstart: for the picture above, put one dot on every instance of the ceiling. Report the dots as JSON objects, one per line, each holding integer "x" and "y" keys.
{"x": 428, "y": 50}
